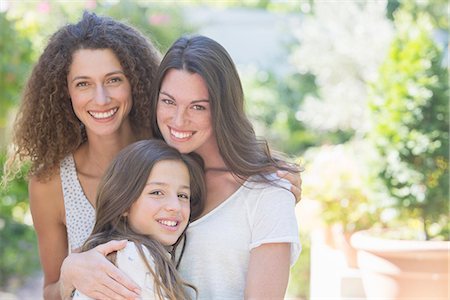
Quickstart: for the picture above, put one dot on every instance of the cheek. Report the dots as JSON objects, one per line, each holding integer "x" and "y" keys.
{"x": 161, "y": 115}
{"x": 77, "y": 104}
{"x": 125, "y": 95}
{"x": 186, "y": 209}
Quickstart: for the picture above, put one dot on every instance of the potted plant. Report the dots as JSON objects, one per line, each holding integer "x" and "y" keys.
{"x": 409, "y": 106}
{"x": 336, "y": 178}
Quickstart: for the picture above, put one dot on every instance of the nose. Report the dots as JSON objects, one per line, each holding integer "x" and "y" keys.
{"x": 101, "y": 96}
{"x": 179, "y": 118}
{"x": 173, "y": 203}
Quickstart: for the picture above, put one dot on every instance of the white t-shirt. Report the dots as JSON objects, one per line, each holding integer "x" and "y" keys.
{"x": 129, "y": 261}
{"x": 218, "y": 244}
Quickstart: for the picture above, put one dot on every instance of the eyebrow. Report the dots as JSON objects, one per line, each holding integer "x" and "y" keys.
{"x": 106, "y": 75}
{"x": 165, "y": 184}
{"x": 173, "y": 98}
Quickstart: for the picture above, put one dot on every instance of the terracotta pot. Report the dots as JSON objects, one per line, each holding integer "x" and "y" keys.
{"x": 402, "y": 269}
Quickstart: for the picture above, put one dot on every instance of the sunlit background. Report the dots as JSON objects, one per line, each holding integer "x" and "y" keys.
{"x": 357, "y": 91}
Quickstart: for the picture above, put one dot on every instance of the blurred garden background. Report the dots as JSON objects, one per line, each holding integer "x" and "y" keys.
{"x": 357, "y": 91}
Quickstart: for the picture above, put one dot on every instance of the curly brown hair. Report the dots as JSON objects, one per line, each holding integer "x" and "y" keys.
{"x": 46, "y": 128}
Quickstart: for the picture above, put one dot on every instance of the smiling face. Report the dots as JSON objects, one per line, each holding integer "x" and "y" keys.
{"x": 100, "y": 92}
{"x": 184, "y": 112}
{"x": 162, "y": 210}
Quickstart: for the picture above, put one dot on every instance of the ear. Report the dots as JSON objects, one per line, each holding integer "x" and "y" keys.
{"x": 125, "y": 214}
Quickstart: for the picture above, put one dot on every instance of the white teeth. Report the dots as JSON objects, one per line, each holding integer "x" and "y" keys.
{"x": 168, "y": 223}
{"x": 180, "y": 135}
{"x": 103, "y": 115}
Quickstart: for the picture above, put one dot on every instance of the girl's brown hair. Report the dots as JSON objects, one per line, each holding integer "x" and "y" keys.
{"x": 244, "y": 154}
{"x": 46, "y": 128}
{"x": 121, "y": 186}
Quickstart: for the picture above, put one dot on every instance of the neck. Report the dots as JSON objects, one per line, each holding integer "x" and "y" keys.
{"x": 101, "y": 150}
{"x": 212, "y": 158}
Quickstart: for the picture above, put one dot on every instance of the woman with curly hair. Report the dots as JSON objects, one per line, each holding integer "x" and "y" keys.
{"x": 86, "y": 99}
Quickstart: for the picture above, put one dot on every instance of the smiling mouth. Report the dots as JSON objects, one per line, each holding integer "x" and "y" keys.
{"x": 181, "y": 135}
{"x": 104, "y": 114}
{"x": 168, "y": 223}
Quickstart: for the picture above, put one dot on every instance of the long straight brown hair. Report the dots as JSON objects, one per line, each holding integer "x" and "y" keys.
{"x": 121, "y": 186}
{"x": 244, "y": 154}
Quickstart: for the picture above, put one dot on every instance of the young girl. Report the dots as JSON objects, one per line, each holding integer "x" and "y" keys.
{"x": 146, "y": 197}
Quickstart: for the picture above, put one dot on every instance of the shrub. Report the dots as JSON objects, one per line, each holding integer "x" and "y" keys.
{"x": 18, "y": 247}
{"x": 409, "y": 109}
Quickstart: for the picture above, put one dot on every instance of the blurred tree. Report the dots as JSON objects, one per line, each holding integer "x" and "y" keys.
{"x": 410, "y": 116}
{"x": 272, "y": 102}
{"x": 342, "y": 45}
{"x": 162, "y": 22}
{"x": 15, "y": 60}
{"x": 18, "y": 246}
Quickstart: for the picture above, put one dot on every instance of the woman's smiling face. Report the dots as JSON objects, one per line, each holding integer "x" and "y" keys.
{"x": 99, "y": 90}
{"x": 184, "y": 111}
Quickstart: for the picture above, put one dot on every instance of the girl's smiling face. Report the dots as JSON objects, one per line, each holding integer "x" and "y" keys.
{"x": 162, "y": 210}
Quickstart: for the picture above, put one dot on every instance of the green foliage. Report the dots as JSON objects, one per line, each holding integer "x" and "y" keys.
{"x": 15, "y": 59}
{"x": 299, "y": 281}
{"x": 18, "y": 247}
{"x": 338, "y": 178}
{"x": 272, "y": 103}
{"x": 437, "y": 11}
{"x": 409, "y": 108}
{"x": 163, "y": 23}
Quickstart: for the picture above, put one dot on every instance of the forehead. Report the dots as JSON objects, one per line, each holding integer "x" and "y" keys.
{"x": 95, "y": 61}
{"x": 168, "y": 171}
{"x": 182, "y": 84}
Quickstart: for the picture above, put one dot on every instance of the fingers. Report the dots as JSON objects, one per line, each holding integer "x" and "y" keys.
{"x": 296, "y": 183}
{"x": 297, "y": 193}
{"x": 103, "y": 285}
{"x": 293, "y": 178}
{"x": 121, "y": 284}
{"x": 113, "y": 290}
{"x": 111, "y": 246}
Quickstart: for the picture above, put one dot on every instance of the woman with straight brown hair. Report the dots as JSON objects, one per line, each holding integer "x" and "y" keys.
{"x": 246, "y": 237}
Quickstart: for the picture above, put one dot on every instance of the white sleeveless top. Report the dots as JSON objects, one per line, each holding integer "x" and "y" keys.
{"x": 80, "y": 214}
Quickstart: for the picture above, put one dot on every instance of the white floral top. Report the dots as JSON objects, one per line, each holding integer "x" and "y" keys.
{"x": 80, "y": 214}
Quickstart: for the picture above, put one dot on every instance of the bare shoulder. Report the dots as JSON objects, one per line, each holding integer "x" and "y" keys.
{"x": 46, "y": 196}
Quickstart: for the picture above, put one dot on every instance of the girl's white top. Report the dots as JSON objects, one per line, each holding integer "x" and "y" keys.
{"x": 219, "y": 244}
{"x": 80, "y": 214}
{"x": 129, "y": 261}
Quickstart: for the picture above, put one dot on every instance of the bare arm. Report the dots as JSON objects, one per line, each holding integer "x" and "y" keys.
{"x": 268, "y": 271}
{"x": 90, "y": 272}
{"x": 47, "y": 209}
